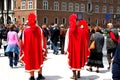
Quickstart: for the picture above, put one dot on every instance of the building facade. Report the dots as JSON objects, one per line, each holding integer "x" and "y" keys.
{"x": 6, "y": 11}
{"x": 96, "y": 12}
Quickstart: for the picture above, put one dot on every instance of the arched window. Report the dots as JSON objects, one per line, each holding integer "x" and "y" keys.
{"x": 45, "y": 20}
{"x": 96, "y": 21}
{"x": 56, "y": 21}
{"x": 64, "y": 21}
{"x": 23, "y": 20}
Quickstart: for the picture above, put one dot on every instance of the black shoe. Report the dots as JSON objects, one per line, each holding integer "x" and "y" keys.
{"x": 78, "y": 75}
{"x": 31, "y": 78}
{"x": 40, "y": 77}
{"x": 11, "y": 65}
{"x": 90, "y": 69}
{"x": 97, "y": 71}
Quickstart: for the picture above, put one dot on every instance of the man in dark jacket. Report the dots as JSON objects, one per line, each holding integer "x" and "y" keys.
{"x": 116, "y": 64}
{"x": 55, "y": 38}
{"x": 112, "y": 41}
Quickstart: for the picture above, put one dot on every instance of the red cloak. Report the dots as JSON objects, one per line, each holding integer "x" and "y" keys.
{"x": 33, "y": 56}
{"x": 33, "y": 45}
{"x": 78, "y": 39}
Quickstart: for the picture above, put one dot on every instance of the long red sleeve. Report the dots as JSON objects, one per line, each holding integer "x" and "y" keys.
{"x": 113, "y": 37}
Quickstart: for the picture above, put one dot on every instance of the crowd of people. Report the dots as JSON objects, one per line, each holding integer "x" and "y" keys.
{"x": 27, "y": 44}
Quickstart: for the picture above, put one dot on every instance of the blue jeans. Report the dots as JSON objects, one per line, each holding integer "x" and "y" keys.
{"x": 13, "y": 59}
{"x": 55, "y": 48}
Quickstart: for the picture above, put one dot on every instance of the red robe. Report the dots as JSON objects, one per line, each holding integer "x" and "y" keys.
{"x": 77, "y": 47}
{"x": 33, "y": 46}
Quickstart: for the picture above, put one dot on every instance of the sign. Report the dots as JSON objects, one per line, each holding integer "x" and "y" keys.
{"x": 107, "y": 16}
{"x": 79, "y": 16}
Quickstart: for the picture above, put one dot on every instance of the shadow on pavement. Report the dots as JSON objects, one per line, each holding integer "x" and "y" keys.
{"x": 52, "y": 77}
{"x": 91, "y": 77}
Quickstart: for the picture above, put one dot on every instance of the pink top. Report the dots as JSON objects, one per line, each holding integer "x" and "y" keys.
{"x": 12, "y": 38}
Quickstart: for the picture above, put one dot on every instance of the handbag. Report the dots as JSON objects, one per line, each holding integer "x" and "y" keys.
{"x": 92, "y": 45}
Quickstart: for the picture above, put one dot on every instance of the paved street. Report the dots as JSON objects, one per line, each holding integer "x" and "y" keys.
{"x": 55, "y": 68}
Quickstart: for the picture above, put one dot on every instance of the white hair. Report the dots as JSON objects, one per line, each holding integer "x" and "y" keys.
{"x": 110, "y": 24}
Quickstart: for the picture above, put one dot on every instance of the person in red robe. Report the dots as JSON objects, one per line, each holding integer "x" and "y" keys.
{"x": 76, "y": 45}
{"x": 33, "y": 48}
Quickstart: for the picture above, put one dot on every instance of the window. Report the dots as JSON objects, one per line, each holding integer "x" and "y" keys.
{"x": 70, "y": 6}
{"x": 30, "y": 4}
{"x": 14, "y": 3}
{"x": 64, "y": 6}
{"x": 45, "y": 5}
{"x": 23, "y": 20}
{"x": 82, "y": 7}
{"x": 15, "y": 19}
{"x": 76, "y": 7}
{"x": 56, "y": 21}
{"x": 104, "y": 9}
{"x": 89, "y": 21}
{"x": 111, "y": 9}
{"x": 89, "y": 8}
{"x": 111, "y": 1}
{"x": 118, "y": 1}
{"x": 104, "y": 1}
{"x": 23, "y": 4}
{"x": 118, "y": 9}
{"x": 97, "y": 0}
{"x": 45, "y": 20}
{"x": 96, "y": 21}
{"x": 64, "y": 21}
{"x": 96, "y": 9}
{"x": 103, "y": 21}
{"x": 56, "y": 6}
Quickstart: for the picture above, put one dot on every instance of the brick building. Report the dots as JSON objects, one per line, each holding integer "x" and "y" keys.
{"x": 96, "y": 12}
